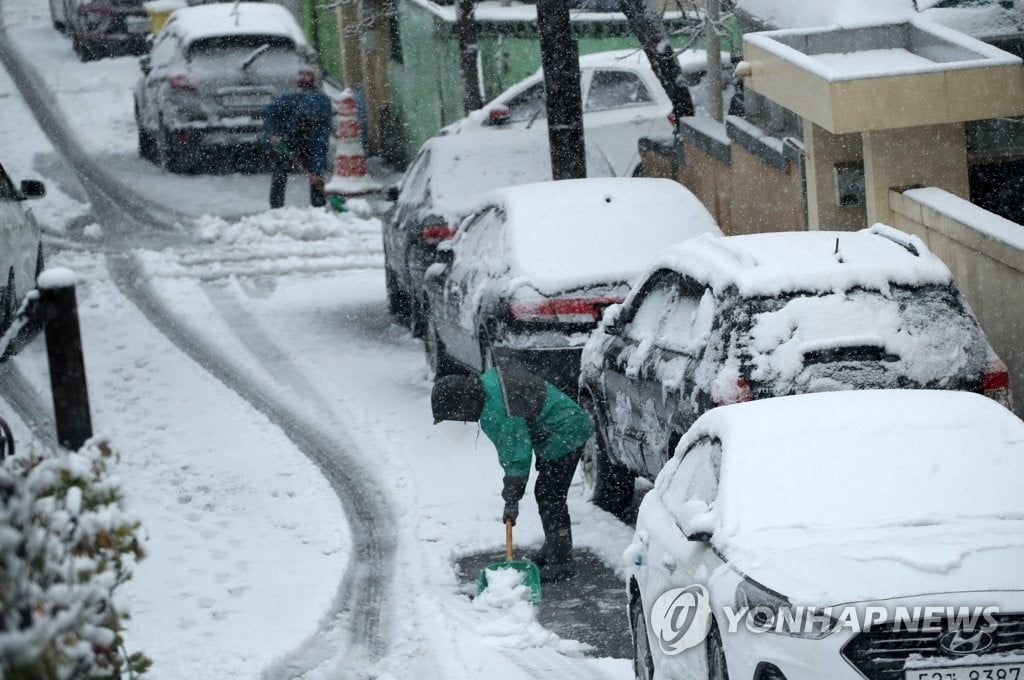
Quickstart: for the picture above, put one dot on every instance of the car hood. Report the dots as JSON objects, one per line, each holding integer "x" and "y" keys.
{"x": 899, "y": 563}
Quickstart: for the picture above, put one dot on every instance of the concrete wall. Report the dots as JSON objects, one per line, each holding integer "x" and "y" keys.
{"x": 824, "y": 151}
{"x": 763, "y": 197}
{"x": 986, "y": 255}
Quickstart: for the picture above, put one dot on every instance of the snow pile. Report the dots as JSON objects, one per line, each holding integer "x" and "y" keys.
{"x": 511, "y": 620}
{"x": 296, "y": 224}
{"x": 801, "y": 14}
{"x": 66, "y": 544}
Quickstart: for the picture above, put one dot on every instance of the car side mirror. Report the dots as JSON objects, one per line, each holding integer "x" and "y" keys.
{"x": 391, "y": 193}
{"x": 444, "y": 253}
{"x": 31, "y": 188}
{"x": 610, "y": 320}
{"x": 145, "y": 64}
{"x": 697, "y": 521}
{"x": 498, "y": 115}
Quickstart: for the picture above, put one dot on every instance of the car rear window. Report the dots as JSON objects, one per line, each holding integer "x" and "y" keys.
{"x": 238, "y": 45}
{"x": 923, "y": 334}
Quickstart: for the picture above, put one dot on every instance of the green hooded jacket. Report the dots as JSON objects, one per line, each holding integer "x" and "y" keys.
{"x": 523, "y": 414}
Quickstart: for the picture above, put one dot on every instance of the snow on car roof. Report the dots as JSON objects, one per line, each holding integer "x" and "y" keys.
{"x": 222, "y": 19}
{"x": 909, "y": 457}
{"x": 689, "y": 60}
{"x": 571, "y": 233}
{"x": 780, "y": 262}
{"x": 465, "y": 167}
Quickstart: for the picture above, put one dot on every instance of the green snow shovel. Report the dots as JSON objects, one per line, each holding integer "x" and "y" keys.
{"x": 529, "y": 570}
{"x": 337, "y": 203}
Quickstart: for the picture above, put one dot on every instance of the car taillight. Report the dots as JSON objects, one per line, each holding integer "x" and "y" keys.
{"x": 739, "y": 393}
{"x": 996, "y": 384}
{"x": 435, "y": 233}
{"x": 180, "y": 81}
{"x": 672, "y": 120}
{"x": 560, "y": 310}
{"x": 306, "y": 78}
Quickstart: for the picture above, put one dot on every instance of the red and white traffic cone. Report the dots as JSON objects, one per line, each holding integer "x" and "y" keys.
{"x": 350, "y": 177}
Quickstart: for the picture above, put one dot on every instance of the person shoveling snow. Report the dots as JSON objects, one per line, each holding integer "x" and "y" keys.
{"x": 522, "y": 414}
{"x": 298, "y": 126}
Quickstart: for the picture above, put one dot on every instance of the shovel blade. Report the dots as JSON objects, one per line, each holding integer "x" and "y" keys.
{"x": 529, "y": 570}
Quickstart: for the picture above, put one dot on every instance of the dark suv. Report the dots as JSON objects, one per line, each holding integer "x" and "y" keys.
{"x": 721, "y": 321}
{"x": 100, "y": 28}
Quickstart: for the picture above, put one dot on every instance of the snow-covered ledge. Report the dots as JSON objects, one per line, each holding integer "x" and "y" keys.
{"x": 985, "y": 252}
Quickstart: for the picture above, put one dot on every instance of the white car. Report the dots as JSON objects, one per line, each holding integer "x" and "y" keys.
{"x": 21, "y": 246}
{"x": 622, "y": 102}
{"x": 796, "y": 536}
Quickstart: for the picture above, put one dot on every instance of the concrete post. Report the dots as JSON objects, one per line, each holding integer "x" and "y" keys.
{"x": 928, "y": 155}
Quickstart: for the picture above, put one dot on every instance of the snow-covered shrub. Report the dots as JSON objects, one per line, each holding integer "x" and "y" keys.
{"x": 66, "y": 544}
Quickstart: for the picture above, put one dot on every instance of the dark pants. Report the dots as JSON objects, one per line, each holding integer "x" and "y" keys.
{"x": 551, "y": 488}
{"x": 279, "y": 178}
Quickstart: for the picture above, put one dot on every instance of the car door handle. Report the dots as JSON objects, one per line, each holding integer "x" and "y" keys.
{"x": 668, "y": 563}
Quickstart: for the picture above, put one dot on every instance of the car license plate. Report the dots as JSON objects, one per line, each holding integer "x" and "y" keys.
{"x": 137, "y": 24}
{"x": 1000, "y": 672}
{"x": 241, "y": 100}
{"x": 220, "y": 138}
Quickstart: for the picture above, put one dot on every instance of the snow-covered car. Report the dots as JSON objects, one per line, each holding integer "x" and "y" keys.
{"x": 869, "y": 534}
{"x": 444, "y": 183}
{"x": 211, "y": 71}
{"x": 100, "y": 28}
{"x": 717, "y": 321}
{"x": 622, "y": 102}
{"x": 21, "y": 246}
{"x": 531, "y": 270}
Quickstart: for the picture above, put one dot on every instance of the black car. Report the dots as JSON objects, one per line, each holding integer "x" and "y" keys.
{"x": 748, "y": 317}
{"x": 445, "y": 181}
{"x": 533, "y": 268}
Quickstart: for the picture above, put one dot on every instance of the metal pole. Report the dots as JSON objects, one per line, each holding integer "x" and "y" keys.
{"x": 713, "y": 11}
{"x": 64, "y": 351}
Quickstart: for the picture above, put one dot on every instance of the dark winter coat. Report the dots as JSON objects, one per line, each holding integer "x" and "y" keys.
{"x": 285, "y": 118}
{"x": 522, "y": 414}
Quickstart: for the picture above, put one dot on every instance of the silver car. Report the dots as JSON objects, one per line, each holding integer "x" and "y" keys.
{"x": 211, "y": 71}
{"x": 21, "y": 247}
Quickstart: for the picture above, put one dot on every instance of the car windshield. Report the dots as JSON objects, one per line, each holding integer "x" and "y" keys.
{"x": 805, "y": 341}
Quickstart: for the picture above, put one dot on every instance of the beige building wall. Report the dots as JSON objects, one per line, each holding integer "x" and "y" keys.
{"x": 988, "y": 270}
{"x": 709, "y": 179}
{"x": 929, "y": 155}
{"x": 824, "y": 151}
{"x": 763, "y": 198}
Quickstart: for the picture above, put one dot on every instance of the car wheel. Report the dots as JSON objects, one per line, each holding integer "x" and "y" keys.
{"x": 610, "y": 486}
{"x": 717, "y": 669}
{"x": 438, "y": 361}
{"x": 172, "y": 158}
{"x": 643, "y": 662}
{"x": 8, "y": 303}
{"x": 398, "y": 302}
{"x": 418, "y": 318}
{"x": 146, "y": 145}
{"x": 81, "y": 49}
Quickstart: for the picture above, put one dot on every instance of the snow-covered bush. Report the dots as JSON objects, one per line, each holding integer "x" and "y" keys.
{"x": 66, "y": 544}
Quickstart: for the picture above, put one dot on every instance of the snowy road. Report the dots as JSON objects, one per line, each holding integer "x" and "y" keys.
{"x": 246, "y": 340}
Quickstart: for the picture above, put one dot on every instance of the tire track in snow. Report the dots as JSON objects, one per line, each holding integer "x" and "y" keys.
{"x": 352, "y": 634}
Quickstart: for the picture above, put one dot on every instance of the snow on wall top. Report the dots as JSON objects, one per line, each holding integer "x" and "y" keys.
{"x": 465, "y": 167}
{"x": 802, "y": 14}
{"x": 571, "y": 233}
{"x": 992, "y": 225}
{"x": 947, "y": 50}
{"x": 966, "y": 449}
{"x": 773, "y": 263}
{"x": 221, "y": 19}
{"x": 492, "y": 10}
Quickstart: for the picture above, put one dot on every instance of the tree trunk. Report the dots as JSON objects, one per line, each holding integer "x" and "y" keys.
{"x": 561, "y": 62}
{"x": 714, "y": 50}
{"x": 649, "y": 30}
{"x": 469, "y": 48}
